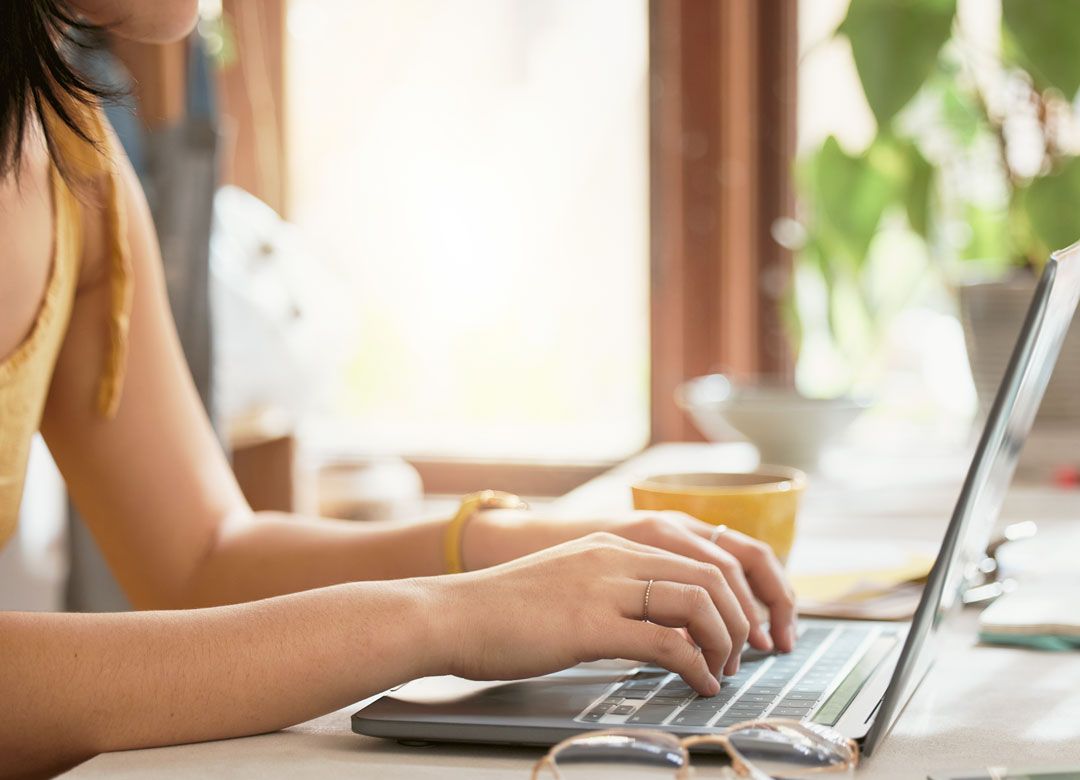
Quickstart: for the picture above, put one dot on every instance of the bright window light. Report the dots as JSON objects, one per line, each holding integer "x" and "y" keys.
{"x": 476, "y": 173}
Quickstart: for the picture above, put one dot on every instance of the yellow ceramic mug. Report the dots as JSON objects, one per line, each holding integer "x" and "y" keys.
{"x": 762, "y": 504}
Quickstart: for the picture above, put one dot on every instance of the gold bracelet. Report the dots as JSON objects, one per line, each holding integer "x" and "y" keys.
{"x": 470, "y": 505}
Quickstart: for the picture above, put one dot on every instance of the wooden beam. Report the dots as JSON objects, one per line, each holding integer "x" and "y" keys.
{"x": 722, "y": 143}
{"x": 253, "y": 100}
{"x": 778, "y": 106}
{"x": 735, "y": 199}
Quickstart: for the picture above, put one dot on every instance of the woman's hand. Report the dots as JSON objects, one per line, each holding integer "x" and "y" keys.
{"x": 584, "y": 601}
{"x": 748, "y": 566}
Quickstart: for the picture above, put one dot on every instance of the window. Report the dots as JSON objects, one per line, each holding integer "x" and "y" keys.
{"x": 476, "y": 174}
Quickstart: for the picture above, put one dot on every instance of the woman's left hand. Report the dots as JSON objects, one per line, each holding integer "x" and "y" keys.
{"x": 749, "y": 566}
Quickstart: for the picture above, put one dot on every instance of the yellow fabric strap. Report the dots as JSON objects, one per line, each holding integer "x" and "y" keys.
{"x": 90, "y": 162}
{"x": 470, "y": 505}
{"x": 121, "y": 281}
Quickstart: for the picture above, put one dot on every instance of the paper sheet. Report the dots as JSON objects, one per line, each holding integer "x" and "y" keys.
{"x": 870, "y": 580}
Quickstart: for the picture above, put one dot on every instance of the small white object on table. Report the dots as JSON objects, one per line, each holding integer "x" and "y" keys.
{"x": 978, "y": 706}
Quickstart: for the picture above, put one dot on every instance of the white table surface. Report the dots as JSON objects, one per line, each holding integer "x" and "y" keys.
{"x": 978, "y": 706}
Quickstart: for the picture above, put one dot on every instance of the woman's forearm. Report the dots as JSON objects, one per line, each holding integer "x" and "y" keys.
{"x": 77, "y": 684}
{"x": 269, "y": 554}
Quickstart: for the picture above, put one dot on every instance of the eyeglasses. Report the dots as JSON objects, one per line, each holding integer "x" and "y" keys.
{"x": 757, "y": 749}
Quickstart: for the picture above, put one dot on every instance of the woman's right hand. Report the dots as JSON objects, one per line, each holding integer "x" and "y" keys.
{"x": 584, "y": 601}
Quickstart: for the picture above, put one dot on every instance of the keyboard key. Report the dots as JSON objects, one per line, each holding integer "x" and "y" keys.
{"x": 771, "y": 677}
{"x": 755, "y": 698}
{"x": 724, "y": 695}
{"x": 622, "y": 709}
{"x": 802, "y": 706}
{"x": 747, "y": 710}
{"x": 651, "y": 714}
{"x": 729, "y": 720}
{"x": 716, "y": 702}
{"x": 704, "y": 705}
{"x": 685, "y": 718}
{"x": 678, "y": 688}
{"x": 634, "y": 693}
{"x": 789, "y": 712}
{"x": 660, "y": 698}
{"x": 596, "y": 713}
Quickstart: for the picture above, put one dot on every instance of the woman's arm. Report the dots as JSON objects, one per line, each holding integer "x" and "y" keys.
{"x": 77, "y": 685}
{"x": 153, "y": 484}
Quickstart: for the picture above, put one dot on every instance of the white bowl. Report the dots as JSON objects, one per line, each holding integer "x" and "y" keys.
{"x": 787, "y": 428}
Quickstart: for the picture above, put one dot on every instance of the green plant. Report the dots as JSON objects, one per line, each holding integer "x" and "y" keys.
{"x": 973, "y": 163}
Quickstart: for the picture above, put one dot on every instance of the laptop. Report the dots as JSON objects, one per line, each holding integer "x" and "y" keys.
{"x": 854, "y": 676}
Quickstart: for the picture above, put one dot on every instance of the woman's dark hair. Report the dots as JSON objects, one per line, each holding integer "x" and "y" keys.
{"x": 35, "y": 73}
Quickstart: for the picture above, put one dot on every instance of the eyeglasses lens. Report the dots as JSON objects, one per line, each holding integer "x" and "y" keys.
{"x": 620, "y": 757}
{"x": 790, "y": 752}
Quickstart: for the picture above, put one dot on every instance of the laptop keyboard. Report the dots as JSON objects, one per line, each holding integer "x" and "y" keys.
{"x": 819, "y": 678}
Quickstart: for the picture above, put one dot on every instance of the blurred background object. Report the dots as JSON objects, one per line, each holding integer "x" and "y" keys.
{"x": 956, "y": 181}
{"x": 785, "y": 426}
{"x": 279, "y": 316}
{"x": 373, "y": 488}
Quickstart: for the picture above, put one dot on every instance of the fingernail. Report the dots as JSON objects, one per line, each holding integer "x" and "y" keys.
{"x": 764, "y": 639}
{"x": 791, "y": 637}
{"x": 714, "y": 686}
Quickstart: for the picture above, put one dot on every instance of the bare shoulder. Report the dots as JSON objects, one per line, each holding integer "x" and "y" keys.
{"x": 26, "y": 223}
{"x": 93, "y": 196}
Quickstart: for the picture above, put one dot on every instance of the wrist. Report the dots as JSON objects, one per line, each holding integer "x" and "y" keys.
{"x": 436, "y": 610}
{"x": 500, "y": 535}
{"x": 410, "y": 627}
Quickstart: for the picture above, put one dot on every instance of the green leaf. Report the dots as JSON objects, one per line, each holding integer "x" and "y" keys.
{"x": 851, "y": 193}
{"x": 1045, "y": 39}
{"x": 988, "y": 243}
{"x": 962, "y": 115}
{"x": 1052, "y": 204}
{"x": 917, "y": 188}
{"x": 789, "y": 317}
{"x": 896, "y": 44}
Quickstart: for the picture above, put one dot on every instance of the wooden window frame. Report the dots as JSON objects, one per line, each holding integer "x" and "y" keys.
{"x": 722, "y": 116}
{"x": 723, "y": 119}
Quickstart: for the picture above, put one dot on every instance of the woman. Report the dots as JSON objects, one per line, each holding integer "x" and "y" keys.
{"x": 250, "y": 622}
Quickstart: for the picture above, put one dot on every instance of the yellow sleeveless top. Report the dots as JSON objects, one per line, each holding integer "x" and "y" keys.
{"x": 26, "y": 373}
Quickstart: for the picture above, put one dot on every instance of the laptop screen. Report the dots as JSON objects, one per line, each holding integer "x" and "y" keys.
{"x": 990, "y": 474}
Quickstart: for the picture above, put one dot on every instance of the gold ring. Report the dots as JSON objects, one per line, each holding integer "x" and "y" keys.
{"x": 720, "y": 529}
{"x": 648, "y": 591}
